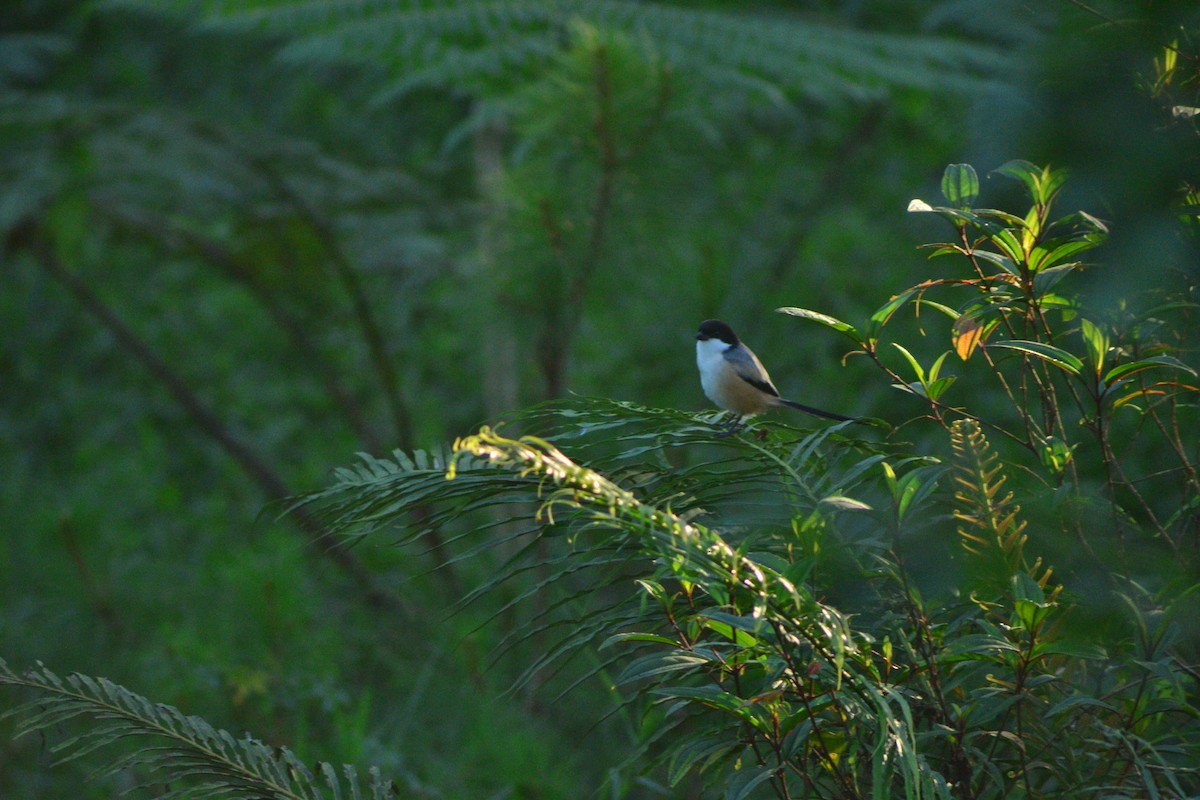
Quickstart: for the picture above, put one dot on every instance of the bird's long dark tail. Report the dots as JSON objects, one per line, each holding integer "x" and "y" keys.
{"x": 816, "y": 412}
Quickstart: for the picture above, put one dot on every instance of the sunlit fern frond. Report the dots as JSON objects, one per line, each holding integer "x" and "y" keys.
{"x": 769, "y": 472}
{"x": 588, "y": 532}
{"x": 763, "y": 478}
{"x": 189, "y": 757}
{"x": 718, "y": 611}
{"x": 990, "y": 523}
{"x": 474, "y": 44}
{"x": 609, "y": 519}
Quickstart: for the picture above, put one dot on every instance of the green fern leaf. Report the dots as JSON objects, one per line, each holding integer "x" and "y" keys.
{"x": 990, "y": 525}
{"x": 481, "y": 44}
{"x": 195, "y": 759}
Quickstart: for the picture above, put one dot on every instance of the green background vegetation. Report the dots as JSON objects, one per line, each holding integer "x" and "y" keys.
{"x": 244, "y": 242}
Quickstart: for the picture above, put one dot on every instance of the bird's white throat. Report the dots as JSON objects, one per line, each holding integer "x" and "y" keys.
{"x": 710, "y": 360}
{"x": 710, "y": 353}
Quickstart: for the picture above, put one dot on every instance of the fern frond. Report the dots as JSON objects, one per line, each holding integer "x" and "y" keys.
{"x": 593, "y": 516}
{"x": 743, "y": 482}
{"x": 748, "y": 629}
{"x": 990, "y": 522}
{"x": 710, "y": 622}
{"x": 471, "y": 43}
{"x": 195, "y": 759}
{"x": 690, "y": 553}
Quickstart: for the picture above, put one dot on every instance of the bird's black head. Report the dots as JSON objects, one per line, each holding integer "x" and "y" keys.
{"x": 715, "y": 329}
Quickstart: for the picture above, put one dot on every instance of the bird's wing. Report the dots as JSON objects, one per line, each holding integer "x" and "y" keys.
{"x": 750, "y": 369}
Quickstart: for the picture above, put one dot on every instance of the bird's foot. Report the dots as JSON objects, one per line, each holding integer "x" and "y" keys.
{"x": 735, "y": 424}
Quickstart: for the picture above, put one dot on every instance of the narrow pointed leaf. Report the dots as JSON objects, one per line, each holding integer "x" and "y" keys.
{"x": 1096, "y": 340}
{"x": 1055, "y": 355}
{"x": 1130, "y": 367}
{"x": 830, "y": 322}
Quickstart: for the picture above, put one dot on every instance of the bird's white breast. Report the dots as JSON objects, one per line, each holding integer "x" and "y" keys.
{"x": 710, "y": 360}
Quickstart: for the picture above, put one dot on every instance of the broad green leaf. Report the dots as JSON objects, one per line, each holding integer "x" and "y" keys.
{"x": 1003, "y": 216}
{"x": 1003, "y": 262}
{"x": 1067, "y": 305}
{"x": 1025, "y": 587}
{"x": 942, "y": 307}
{"x": 1052, "y": 180}
{"x": 1030, "y": 614}
{"x": 1031, "y": 229}
{"x": 1007, "y": 242}
{"x": 889, "y": 475}
{"x": 1096, "y": 340}
{"x": 1042, "y": 183}
{"x": 946, "y": 250}
{"x": 1055, "y": 454}
{"x": 885, "y": 312}
{"x": 935, "y": 389}
{"x": 695, "y": 751}
{"x": 746, "y": 779}
{"x": 659, "y": 664}
{"x": 1047, "y": 279}
{"x": 713, "y": 697}
{"x": 1021, "y": 170}
{"x": 1130, "y": 367}
{"x": 1029, "y": 602}
{"x": 1086, "y": 650}
{"x": 741, "y": 622}
{"x": 1052, "y": 254}
{"x": 1055, "y": 355}
{"x": 960, "y": 185}
{"x": 739, "y": 637}
{"x": 1001, "y": 237}
{"x": 976, "y": 646}
{"x": 915, "y": 486}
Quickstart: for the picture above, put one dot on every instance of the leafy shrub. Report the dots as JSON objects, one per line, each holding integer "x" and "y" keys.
{"x": 805, "y": 613}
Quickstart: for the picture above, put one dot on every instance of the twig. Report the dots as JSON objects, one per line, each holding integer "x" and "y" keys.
{"x": 323, "y": 540}
{"x": 348, "y": 276}
{"x": 220, "y": 257}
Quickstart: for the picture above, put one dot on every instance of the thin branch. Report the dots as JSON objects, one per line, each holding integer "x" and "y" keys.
{"x": 99, "y": 596}
{"x": 217, "y": 255}
{"x": 346, "y": 274}
{"x": 557, "y": 344}
{"x": 1084, "y": 6}
{"x": 351, "y": 283}
{"x": 322, "y": 540}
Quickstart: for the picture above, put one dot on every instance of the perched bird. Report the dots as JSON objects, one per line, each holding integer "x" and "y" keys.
{"x": 734, "y": 378}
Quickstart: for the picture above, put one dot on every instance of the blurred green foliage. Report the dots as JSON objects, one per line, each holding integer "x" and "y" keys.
{"x": 242, "y": 244}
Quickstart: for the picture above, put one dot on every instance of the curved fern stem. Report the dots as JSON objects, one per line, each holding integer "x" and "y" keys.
{"x": 210, "y": 761}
